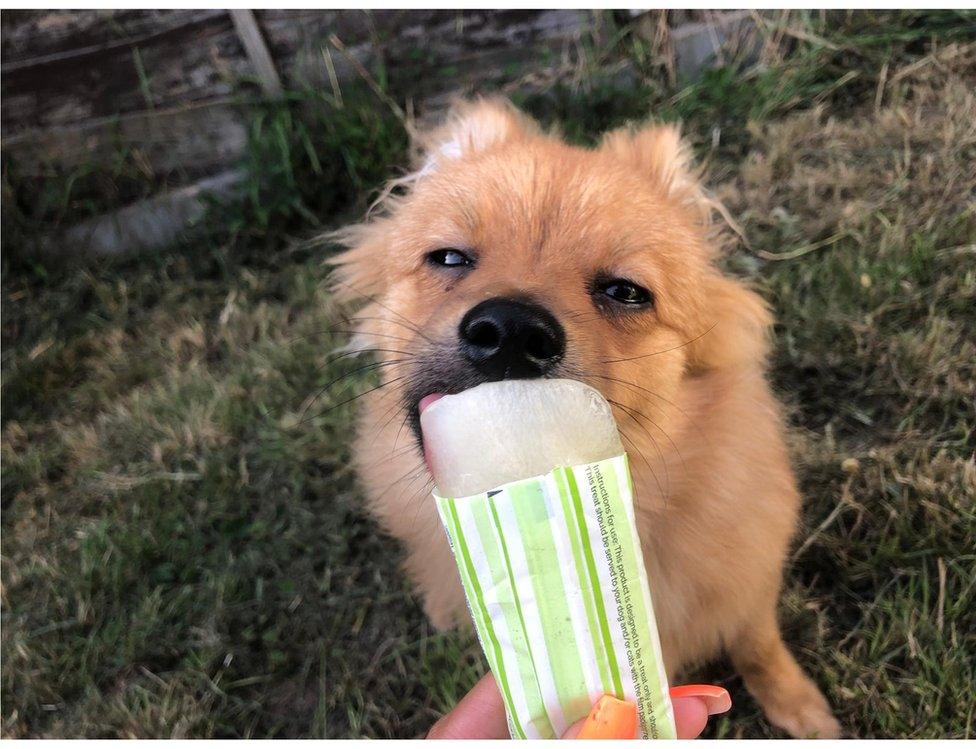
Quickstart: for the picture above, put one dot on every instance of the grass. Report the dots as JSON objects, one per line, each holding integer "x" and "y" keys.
{"x": 184, "y": 550}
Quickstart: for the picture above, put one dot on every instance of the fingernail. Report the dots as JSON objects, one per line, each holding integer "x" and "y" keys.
{"x": 717, "y": 700}
{"x": 610, "y": 718}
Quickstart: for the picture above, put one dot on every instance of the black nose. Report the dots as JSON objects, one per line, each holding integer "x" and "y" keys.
{"x": 511, "y": 339}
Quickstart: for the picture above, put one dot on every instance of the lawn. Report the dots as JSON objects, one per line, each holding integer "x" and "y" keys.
{"x": 184, "y": 550}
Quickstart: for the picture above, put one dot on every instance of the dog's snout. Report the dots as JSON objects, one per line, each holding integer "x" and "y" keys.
{"x": 510, "y": 338}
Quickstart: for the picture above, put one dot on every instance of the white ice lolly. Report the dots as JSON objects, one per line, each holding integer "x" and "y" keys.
{"x": 534, "y": 490}
{"x": 515, "y": 429}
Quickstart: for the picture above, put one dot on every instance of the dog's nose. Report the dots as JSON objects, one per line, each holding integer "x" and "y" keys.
{"x": 507, "y": 338}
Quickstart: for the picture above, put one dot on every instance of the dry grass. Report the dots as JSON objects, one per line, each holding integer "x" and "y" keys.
{"x": 866, "y": 225}
{"x": 184, "y": 555}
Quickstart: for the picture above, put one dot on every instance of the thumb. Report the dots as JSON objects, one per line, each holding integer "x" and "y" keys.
{"x": 611, "y": 718}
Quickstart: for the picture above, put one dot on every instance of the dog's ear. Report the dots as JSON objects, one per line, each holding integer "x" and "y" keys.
{"x": 471, "y": 127}
{"x": 733, "y": 320}
{"x": 658, "y": 152}
{"x": 735, "y": 324}
{"x": 359, "y": 273}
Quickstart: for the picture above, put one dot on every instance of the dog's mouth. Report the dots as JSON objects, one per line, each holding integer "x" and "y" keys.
{"x": 429, "y": 381}
{"x": 422, "y": 405}
{"x": 425, "y": 391}
{"x": 427, "y": 400}
{"x": 500, "y": 338}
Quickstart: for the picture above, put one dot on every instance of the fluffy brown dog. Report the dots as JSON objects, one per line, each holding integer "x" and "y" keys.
{"x": 509, "y": 253}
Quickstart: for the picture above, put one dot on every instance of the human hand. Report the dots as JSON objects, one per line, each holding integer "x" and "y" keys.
{"x": 481, "y": 713}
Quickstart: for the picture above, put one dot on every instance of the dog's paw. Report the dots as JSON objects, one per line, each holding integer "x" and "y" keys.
{"x": 441, "y": 620}
{"x": 807, "y": 716}
{"x": 446, "y": 612}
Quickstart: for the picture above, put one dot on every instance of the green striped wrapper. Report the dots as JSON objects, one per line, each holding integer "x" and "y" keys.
{"x": 555, "y": 580}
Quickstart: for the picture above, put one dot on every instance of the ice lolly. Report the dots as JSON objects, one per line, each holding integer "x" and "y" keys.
{"x": 534, "y": 491}
{"x": 514, "y": 429}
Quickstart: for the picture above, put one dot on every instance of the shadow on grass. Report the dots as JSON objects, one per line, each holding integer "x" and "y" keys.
{"x": 185, "y": 550}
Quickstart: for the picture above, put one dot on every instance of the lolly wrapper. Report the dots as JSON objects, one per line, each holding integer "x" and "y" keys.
{"x": 555, "y": 581}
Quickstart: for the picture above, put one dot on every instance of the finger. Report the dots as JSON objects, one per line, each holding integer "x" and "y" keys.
{"x": 690, "y": 716}
{"x": 716, "y": 698}
{"x": 693, "y": 703}
{"x": 573, "y": 731}
{"x": 480, "y": 715}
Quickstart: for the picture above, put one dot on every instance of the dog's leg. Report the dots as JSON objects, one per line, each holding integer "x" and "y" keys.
{"x": 789, "y": 698}
{"x": 432, "y": 568}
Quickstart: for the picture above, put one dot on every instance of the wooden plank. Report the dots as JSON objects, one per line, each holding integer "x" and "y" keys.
{"x": 37, "y": 33}
{"x": 702, "y": 44}
{"x": 201, "y": 60}
{"x": 429, "y": 49}
{"x": 201, "y": 137}
{"x": 257, "y": 51}
{"x": 148, "y": 225}
{"x": 197, "y": 57}
{"x": 175, "y": 137}
{"x": 76, "y": 55}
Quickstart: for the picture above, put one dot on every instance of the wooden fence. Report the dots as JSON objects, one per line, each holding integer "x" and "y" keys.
{"x": 78, "y": 85}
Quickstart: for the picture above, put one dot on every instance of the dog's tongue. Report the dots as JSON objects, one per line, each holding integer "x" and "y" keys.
{"x": 427, "y": 400}
{"x": 422, "y": 406}
{"x": 500, "y": 432}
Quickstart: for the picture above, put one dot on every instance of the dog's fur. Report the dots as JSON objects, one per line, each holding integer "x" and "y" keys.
{"x": 717, "y": 502}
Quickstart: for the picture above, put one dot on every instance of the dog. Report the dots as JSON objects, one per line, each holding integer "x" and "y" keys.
{"x": 509, "y": 253}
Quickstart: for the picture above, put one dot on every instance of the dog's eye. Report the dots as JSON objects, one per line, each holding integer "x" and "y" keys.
{"x": 625, "y": 292}
{"x": 449, "y": 258}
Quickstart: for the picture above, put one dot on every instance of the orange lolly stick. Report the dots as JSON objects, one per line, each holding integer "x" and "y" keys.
{"x": 610, "y": 718}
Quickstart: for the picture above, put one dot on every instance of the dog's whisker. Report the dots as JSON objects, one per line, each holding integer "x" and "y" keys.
{"x": 577, "y": 373}
{"x": 663, "y": 431}
{"x": 411, "y": 473}
{"x": 419, "y": 473}
{"x": 392, "y": 412}
{"x": 424, "y": 492}
{"x": 411, "y": 476}
{"x": 324, "y": 389}
{"x": 351, "y": 332}
{"x": 406, "y": 418}
{"x": 356, "y": 397}
{"x": 373, "y": 300}
{"x": 379, "y": 318}
{"x": 395, "y": 409}
{"x": 582, "y": 317}
{"x": 409, "y": 356}
{"x": 369, "y": 350}
{"x": 646, "y": 463}
{"x": 634, "y": 387}
{"x": 385, "y": 457}
{"x": 662, "y": 351}
{"x": 660, "y": 453}
{"x": 582, "y": 377}
{"x": 679, "y": 409}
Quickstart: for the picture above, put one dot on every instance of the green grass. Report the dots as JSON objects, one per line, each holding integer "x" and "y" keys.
{"x": 184, "y": 547}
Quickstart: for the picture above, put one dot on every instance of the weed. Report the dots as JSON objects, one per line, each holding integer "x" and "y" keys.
{"x": 186, "y": 554}
{"x": 311, "y": 158}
